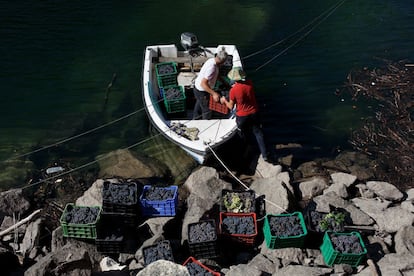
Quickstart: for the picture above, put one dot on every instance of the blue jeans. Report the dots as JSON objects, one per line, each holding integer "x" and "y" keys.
{"x": 251, "y": 123}
{"x": 201, "y": 108}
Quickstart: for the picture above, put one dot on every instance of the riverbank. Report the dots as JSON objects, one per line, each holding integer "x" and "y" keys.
{"x": 346, "y": 182}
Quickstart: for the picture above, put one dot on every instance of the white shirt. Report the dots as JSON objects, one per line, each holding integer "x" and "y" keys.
{"x": 208, "y": 71}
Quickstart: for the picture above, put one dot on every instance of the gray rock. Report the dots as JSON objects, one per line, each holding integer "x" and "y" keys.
{"x": 31, "y": 237}
{"x": 58, "y": 240}
{"x": 92, "y": 196}
{"x": 69, "y": 260}
{"x": 385, "y": 190}
{"x": 266, "y": 169}
{"x": 277, "y": 194}
{"x": 261, "y": 263}
{"x": 393, "y": 264}
{"x": 371, "y": 206}
{"x": 205, "y": 189}
{"x": 164, "y": 268}
{"x": 9, "y": 221}
{"x": 408, "y": 205}
{"x": 364, "y": 191}
{"x": 337, "y": 188}
{"x": 13, "y": 202}
{"x": 343, "y": 178}
{"x": 243, "y": 270}
{"x": 129, "y": 165}
{"x": 312, "y": 188}
{"x": 310, "y": 169}
{"x": 410, "y": 194}
{"x": 291, "y": 270}
{"x": 404, "y": 240}
{"x": 290, "y": 254}
{"x": 394, "y": 218}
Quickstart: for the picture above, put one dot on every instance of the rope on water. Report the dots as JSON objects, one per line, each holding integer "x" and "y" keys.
{"x": 241, "y": 182}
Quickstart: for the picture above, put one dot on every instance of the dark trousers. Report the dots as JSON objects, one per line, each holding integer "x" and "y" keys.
{"x": 251, "y": 124}
{"x": 201, "y": 108}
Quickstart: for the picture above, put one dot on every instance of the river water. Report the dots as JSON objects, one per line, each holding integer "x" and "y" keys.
{"x": 58, "y": 58}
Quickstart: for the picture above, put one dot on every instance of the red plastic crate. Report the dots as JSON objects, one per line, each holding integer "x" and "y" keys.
{"x": 193, "y": 260}
{"x": 243, "y": 238}
{"x": 218, "y": 107}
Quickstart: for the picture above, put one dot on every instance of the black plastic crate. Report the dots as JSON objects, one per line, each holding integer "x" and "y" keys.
{"x": 126, "y": 203}
{"x": 208, "y": 248}
{"x": 124, "y": 219}
{"x": 159, "y": 251}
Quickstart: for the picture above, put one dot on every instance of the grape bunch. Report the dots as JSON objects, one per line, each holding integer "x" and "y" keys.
{"x": 197, "y": 270}
{"x": 347, "y": 244}
{"x": 202, "y": 232}
{"x": 81, "y": 214}
{"x": 173, "y": 93}
{"x": 285, "y": 226}
{"x": 238, "y": 225}
{"x": 158, "y": 193}
{"x": 160, "y": 251}
{"x": 165, "y": 69}
{"x": 125, "y": 193}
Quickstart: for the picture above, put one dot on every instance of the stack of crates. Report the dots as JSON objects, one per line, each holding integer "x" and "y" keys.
{"x": 162, "y": 250}
{"x": 273, "y": 241}
{"x": 119, "y": 216}
{"x": 208, "y": 248}
{"x": 159, "y": 208}
{"x": 166, "y": 74}
{"x": 73, "y": 229}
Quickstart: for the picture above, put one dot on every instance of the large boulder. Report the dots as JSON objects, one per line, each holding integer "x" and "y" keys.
{"x": 304, "y": 270}
{"x": 385, "y": 190}
{"x": 31, "y": 237}
{"x": 404, "y": 240}
{"x": 164, "y": 268}
{"x": 125, "y": 164}
{"x": 13, "y": 202}
{"x": 313, "y": 187}
{"x": 393, "y": 264}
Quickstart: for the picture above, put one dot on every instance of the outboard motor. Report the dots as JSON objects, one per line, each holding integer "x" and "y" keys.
{"x": 189, "y": 41}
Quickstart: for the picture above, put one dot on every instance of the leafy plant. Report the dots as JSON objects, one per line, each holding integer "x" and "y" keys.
{"x": 333, "y": 221}
{"x": 234, "y": 203}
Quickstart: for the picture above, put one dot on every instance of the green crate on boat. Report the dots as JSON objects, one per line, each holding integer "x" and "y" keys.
{"x": 79, "y": 230}
{"x": 166, "y": 69}
{"x": 332, "y": 256}
{"x": 274, "y": 242}
{"x": 167, "y": 81}
{"x": 174, "y": 99}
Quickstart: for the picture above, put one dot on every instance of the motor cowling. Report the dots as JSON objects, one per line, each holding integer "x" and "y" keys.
{"x": 189, "y": 41}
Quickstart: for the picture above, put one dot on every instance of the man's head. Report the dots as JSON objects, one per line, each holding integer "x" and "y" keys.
{"x": 221, "y": 56}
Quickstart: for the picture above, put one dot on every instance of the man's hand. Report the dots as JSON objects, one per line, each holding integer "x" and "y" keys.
{"x": 216, "y": 97}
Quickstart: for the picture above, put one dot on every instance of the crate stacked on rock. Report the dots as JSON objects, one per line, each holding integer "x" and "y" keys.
{"x": 159, "y": 201}
{"x": 202, "y": 239}
{"x": 195, "y": 267}
{"x": 343, "y": 248}
{"x": 284, "y": 230}
{"x": 80, "y": 221}
{"x": 237, "y": 216}
{"x": 119, "y": 215}
{"x": 162, "y": 250}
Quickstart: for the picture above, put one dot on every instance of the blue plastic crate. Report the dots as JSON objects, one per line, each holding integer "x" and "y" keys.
{"x": 159, "y": 208}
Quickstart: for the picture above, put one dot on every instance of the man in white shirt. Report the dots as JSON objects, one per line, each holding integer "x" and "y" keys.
{"x": 204, "y": 84}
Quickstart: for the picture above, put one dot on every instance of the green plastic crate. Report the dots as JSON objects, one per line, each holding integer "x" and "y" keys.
{"x": 274, "y": 242}
{"x": 166, "y": 69}
{"x": 167, "y": 81}
{"x": 83, "y": 231}
{"x": 177, "y": 104}
{"x": 331, "y": 256}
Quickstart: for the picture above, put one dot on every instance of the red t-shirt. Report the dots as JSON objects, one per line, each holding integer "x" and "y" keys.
{"x": 242, "y": 94}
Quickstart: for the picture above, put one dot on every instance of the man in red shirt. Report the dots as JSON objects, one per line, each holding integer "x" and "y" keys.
{"x": 243, "y": 96}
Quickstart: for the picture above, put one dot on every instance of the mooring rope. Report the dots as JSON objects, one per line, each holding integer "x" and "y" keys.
{"x": 241, "y": 182}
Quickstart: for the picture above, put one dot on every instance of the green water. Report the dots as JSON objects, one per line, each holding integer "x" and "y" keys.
{"x": 58, "y": 57}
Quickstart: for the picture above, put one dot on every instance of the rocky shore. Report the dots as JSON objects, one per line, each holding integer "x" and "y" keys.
{"x": 382, "y": 213}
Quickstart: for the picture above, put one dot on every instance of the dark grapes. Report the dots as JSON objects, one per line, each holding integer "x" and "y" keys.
{"x": 196, "y": 270}
{"x": 202, "y": 232}
{"x": 81, "y": 214}
{"x": 238, "y": 225}
{"x": 160, "y": 251}
{"x": 285, "y": 226}
{"x": 124, "y": 193}
{"x": 347, "y": 244}
{"x": 158, "y": 193}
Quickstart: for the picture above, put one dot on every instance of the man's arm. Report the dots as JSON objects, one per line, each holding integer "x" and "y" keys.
{"x": 228, "y": 103}
{"x": 207, "y": 88}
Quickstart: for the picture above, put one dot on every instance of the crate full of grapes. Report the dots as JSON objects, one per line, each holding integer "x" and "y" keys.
{"x": 159, "y": 201}
{"x": 80, "y": 221}
{"x": 239, "y": 227}
{"x": 233, "y": 201}
{"x": 120, "y": 197}
{"x": 174, "y": 99}
{"x": 163, "y": 69}
{"x": 195, "y": 267}
{"x": 284, "y": 230}
{"x": 160, "y": 251}
{"x": 343, "y": 248}
{"x": 202, "y": 239}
